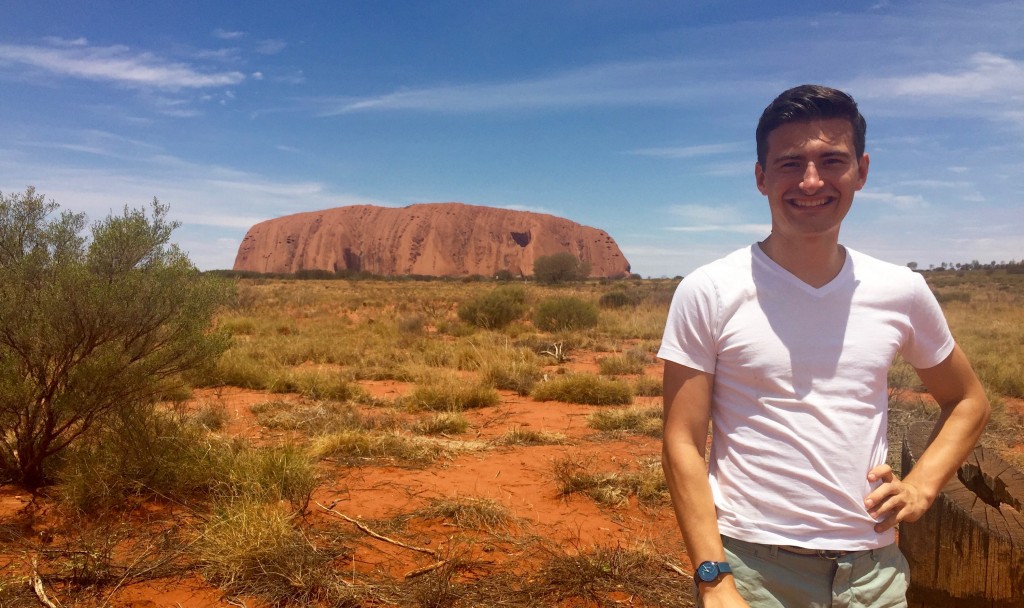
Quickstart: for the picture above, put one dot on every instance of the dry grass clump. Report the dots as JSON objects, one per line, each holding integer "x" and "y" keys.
{"x": 470, "y": 513}
{"x": 647, "y": 386}
{"x": 15, "y": 589}
{"x": 509, "y": 368}
{"x": 281, "y": 473}
{"x": 632, "y": 362}
{"x": 451, "y": 394}
{"x": 317, "y": 417}
{"x": 587, "y": 389}
{"x": 520, "y": 436}
{"x": 444, "y": 423}
{"x": 361, "y": 447}
{"x": 611, "y": 488}
{"x": 639, "y": 420}
{"x": 251, "y": 548}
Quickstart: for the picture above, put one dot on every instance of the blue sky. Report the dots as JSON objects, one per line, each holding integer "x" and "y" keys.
{"x": 633, "y": 117}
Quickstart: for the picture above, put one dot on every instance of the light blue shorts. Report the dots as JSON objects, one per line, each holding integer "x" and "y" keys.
{"x": 770, "y": 577}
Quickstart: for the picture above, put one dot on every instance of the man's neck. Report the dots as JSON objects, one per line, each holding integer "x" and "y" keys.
{"x": 815, "y": 261}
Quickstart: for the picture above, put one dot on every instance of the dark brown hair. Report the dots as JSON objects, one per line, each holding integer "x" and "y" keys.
{"x": 805, "y": 103}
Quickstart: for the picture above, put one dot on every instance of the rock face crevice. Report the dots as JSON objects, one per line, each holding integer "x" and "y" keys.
{"x": 431, "y": 239}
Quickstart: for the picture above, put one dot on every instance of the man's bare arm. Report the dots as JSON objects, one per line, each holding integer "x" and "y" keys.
{"x": 687, "y": 397}
{"x": 964, "y": 412}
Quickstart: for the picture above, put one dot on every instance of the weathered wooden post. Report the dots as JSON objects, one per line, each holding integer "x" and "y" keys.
{"x": 968, "y": 550}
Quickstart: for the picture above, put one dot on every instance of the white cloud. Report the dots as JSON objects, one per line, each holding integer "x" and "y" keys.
{"x": 622, "y": 83}
{"x": 987, "y": 77}
{"x": 227, "y": 35}
{"x": 270, "y": 47}
{"x": 693, "y": 151}
{"x": 116, "y": 64}
{"x": 907, "y": 202}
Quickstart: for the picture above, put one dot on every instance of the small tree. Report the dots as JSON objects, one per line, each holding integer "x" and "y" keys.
{"x": 560, "y": 267}
{"x": 90, "y": 326}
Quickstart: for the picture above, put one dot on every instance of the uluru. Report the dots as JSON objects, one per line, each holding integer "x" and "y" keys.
{"x": 429, "y": 239}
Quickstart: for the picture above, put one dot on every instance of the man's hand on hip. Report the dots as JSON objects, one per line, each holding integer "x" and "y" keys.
{"x": 895, "y": 500}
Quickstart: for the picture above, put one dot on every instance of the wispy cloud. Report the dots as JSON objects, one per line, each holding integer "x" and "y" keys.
{"x": 621, "y": 83}
{"x": 986, "y": 76}
{"x": 228, "y": 35}
{"x": 906, "y": 202}
{"x": 270, "y": 47}
{"x": 734, "y": 228}
{"x": 693, "y": 151}
{"x": 114, "y": 64}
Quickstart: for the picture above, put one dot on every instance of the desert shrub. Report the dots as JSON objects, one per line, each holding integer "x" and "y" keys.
{"x": 213, "y": 416}
{"x": 244, "y": 370}
{"x": 647, "y": 386}
{"x": 619, "y": 298}
{"x": 470, "y": 513}
{"x": 252, "y": 548}
{"x": 445, "y": 423}
{"x": 583, "y": 388}
{"x": 520, "y": 436}
{"x": 566, "y": 313}
{"x": 270, "y": 474}
{"x": 143, "y": 452}
{"x": 319, "y": 385}
{"x": 455, "y": 328}
{"x": 124, "y": 312}
{"x": 495, "y": 309}
{"x": 589, "y": 577}
{"x": 452, "y": 395}
{"x": 315, "y": 417}
{"x": 618, "y": 365}
{"x": 510, "y": 369}
{"x": 560, "y": 267}
{"x": 360, "y": 447}
{"x": 612, "y": 488}
{"x": 642, "y": 421}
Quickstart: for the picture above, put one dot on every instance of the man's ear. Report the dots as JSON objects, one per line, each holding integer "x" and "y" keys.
{"x": 862, "y": 169}
{"x": 759, "y": 178}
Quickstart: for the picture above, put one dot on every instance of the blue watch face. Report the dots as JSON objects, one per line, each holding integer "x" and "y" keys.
{"x": 708, "y": 571}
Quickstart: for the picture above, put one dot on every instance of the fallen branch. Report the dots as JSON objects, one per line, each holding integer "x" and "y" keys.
{"x": 37, "y": 586}
{"x": 425, "y": 569}
{"x": 361, "y": 526}
{"x": 677, "y": 569}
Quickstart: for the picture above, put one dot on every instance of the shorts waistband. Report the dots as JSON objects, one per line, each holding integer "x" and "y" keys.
{"x": 828, "y": 554}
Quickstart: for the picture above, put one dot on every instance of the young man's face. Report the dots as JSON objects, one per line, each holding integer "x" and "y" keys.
{"x": 810, "y": 175}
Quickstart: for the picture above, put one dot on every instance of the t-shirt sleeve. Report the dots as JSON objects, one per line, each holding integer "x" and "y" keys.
{"x": 929, "y": 341}
{"x": 689, "y": 337}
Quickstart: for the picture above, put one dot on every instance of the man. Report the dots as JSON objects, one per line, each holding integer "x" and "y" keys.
{"x": 785, "y": 346}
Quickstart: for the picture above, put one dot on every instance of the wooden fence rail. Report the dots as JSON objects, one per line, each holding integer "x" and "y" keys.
{"x": 968, "y": 550}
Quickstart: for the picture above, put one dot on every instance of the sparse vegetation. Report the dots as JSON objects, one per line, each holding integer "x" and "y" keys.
{"x": 642, "y": 421}
{"x": 583, "y": 388}
{"x": 495, "y": 309}
{"x": 91, "y": 328}
{"x": 565, "y": 313}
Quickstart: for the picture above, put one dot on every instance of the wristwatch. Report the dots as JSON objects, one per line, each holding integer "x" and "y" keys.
{"x": 710, "y": 571}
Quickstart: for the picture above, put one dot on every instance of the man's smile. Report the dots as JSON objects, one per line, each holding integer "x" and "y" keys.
{"x": 808, "y": 203}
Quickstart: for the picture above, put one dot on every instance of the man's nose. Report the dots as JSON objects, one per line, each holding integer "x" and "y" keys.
{"x": 812, "y": 181}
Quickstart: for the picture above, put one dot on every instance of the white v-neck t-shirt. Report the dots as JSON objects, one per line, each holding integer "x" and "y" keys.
{"x": 800, "y": 400}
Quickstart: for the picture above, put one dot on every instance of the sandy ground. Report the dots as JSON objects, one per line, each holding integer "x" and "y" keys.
{"x": 521, "y": 478}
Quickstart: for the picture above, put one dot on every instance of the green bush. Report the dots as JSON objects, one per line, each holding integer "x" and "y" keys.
{"x": 91, "y": 327}
{"x": 495, "y": 309}
{"x": 565, "y": 313}
{"x": 583, "y": 388}
{"x": 619, "y": 299}
{"x": 560, "y": 267}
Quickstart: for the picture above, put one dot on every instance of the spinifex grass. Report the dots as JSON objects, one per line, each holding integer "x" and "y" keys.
{"x": 587, "y": 389}
{"x": 639, "y": 420}
{"x": 647, "y": 483}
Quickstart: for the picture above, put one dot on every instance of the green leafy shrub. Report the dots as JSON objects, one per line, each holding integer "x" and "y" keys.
{"x": 566, "y": 313}
{"x": 495, "y": 309}
{"x": 91, "y": 327}
{"x": 560, "y": 267}
{"x": 583, "y": 388}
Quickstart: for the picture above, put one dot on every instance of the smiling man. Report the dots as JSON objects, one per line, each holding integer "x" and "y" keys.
{"x": 785, "y": 348}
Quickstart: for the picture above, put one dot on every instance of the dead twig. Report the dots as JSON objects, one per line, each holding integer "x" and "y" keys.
{"x": 368, "y": 531}
{"x": 37, "y": 586}
{"x": 426, "y": 569}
